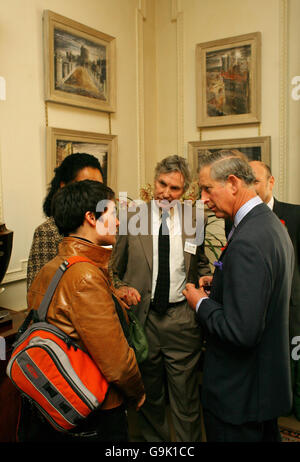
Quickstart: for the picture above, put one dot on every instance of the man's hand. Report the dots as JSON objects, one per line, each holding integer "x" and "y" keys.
{"x": 193, "y": 295}
{"x": 141, "y": 402}
{"x": 129, "y": 294}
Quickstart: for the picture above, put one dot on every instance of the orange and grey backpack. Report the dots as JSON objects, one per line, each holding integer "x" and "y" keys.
{"x": 51, "y": 370}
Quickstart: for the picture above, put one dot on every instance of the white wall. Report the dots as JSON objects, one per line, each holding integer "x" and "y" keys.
{"x": 156, "y": 95}
{"x": 23, "y": 121}
{"x": 197, "y": 21}
{"x": 293, "y": 164}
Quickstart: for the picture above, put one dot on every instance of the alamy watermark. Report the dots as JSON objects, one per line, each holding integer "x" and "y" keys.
{"x": 296, "y": 350}
{"x": 135, "y": 219}
{"x": 2, "y": 349}
{"x": 296, "y": 89}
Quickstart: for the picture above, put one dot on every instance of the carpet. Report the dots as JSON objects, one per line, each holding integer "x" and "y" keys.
{"x": 288, "y": 435}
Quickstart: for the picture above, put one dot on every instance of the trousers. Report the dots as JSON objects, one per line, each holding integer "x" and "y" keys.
{"x": 171, "y": 374}
{"x": 218, "y": 431}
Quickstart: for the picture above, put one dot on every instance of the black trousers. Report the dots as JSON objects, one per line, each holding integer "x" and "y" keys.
{"x": 101, "y": 426}
{"x": 219, "y": 431}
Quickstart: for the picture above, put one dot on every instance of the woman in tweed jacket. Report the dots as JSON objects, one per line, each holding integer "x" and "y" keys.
{"x": 46, "y": 237}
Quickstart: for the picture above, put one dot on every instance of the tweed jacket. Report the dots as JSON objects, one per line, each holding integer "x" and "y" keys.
{"x": 44, "y": 247}
{"x": 83, "y": 308}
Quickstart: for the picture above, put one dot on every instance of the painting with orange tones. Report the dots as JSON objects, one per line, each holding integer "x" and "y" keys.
{"x": 79, "y": 64}
{"x": 228, "y": 82}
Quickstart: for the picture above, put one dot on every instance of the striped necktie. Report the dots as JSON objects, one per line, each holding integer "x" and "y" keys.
{"x": 230, "y": 233}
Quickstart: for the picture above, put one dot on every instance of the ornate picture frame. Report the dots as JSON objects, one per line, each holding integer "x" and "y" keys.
{"x": 79, "y": 64}
{"x": 62, "y": 142}
{"x": 255, "y": 148}
{"x": 228, "y": 81}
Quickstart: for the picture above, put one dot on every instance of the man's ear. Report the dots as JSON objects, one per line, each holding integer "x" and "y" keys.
{"x": 272, "y": 181}
{"x": 90, "y": 218}
{"x": 233, "y": 182}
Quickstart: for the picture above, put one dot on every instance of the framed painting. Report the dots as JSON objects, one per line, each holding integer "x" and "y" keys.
{"x": 79, "y": 64}
{"x": 61, "y": 143}
{"x": 256, "y": 148}
{"x": 228, "y": 82}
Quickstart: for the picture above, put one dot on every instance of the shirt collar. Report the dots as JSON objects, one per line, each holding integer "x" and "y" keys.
{"x": 245, "y": 209}
{"x": 157, "y": 211}
{"x": 271, "y": 203}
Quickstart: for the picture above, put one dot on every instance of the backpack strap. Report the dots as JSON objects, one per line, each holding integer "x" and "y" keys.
{"x": 42, "y": 311}
{"x": 123, "y": 321}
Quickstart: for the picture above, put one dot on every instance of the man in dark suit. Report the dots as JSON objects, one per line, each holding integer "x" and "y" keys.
{"x": 172, "y": 368}
{"x": 246, "y": 376}
{"x": 289, "y": 215}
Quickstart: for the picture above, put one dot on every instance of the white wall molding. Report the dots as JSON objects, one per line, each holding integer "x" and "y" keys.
{"x": 1, "y": 194}
{"x": 17, "y": 274}
{"x": 283, "y": 99}
{"x": 177, "y": 16}
{"x": 140, "y": 18}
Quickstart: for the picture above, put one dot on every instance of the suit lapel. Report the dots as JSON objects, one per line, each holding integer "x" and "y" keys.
{"x": 257, "y": 209}
{"x": 186, "y": 255}
{"x": 147, "y": 242}
{"x": 278, "y": 209}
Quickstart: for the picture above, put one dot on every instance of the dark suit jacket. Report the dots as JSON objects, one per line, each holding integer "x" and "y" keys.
{"x": 131, "y": 262}
{"x": 246, "y": 368}
{"x": 290, "y": 214}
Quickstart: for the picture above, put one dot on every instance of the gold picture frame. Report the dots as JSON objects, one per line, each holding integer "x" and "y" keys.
{"x": 255, "y": 148}
{"x": 79, "y": 64}
{"x": 228, "y": 81}
{"x": 63, "y": 142}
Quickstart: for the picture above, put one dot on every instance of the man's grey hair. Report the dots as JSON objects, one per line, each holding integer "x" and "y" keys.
{"x": 228, "y": 162}
{"x": 174, "y": 164}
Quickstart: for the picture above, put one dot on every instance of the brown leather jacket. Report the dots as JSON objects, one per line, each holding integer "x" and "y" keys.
{"x": 83, "y": 308}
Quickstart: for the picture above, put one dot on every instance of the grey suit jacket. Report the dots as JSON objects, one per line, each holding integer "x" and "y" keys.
{"x": 132, "y": 262}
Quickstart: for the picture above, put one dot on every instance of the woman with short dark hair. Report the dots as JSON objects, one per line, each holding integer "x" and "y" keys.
{"x": 83, "y": 306}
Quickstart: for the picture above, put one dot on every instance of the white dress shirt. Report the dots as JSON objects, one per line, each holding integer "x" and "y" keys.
{"x": 271, "y": 203}
{"x": 177, "y": 265}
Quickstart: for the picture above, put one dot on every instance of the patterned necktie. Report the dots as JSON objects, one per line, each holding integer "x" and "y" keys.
{"x": 231, "y": 233}
{"x": 162, "y": 289}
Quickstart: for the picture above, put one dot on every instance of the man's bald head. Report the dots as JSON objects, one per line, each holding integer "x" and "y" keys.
{"x": 264, "y": 180}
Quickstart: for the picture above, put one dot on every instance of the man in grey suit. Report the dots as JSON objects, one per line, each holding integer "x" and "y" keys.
{"x": 246, "y": 376}
{"x": 153, "y": 269}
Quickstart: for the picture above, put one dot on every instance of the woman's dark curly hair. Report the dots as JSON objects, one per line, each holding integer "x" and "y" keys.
{"x": 66, "y": 173}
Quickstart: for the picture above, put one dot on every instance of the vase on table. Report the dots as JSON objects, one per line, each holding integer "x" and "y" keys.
{"x": 6, "y": 241}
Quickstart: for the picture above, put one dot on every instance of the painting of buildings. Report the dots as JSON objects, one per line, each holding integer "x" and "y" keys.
{"x": 228, "y": 81}
{"x": 80, "y": 65}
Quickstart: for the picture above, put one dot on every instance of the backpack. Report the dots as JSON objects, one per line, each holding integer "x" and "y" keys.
{"x": 51, "y": 370}
{"x": 134, "y": 333}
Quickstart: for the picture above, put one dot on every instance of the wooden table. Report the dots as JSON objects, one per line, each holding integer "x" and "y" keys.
{"x": 9, "y": 396}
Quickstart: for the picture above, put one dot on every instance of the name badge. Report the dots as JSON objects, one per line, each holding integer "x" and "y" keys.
{"x": 189, "y": 247}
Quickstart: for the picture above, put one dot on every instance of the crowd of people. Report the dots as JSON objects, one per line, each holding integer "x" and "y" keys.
{"x": 246, "y": 311}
